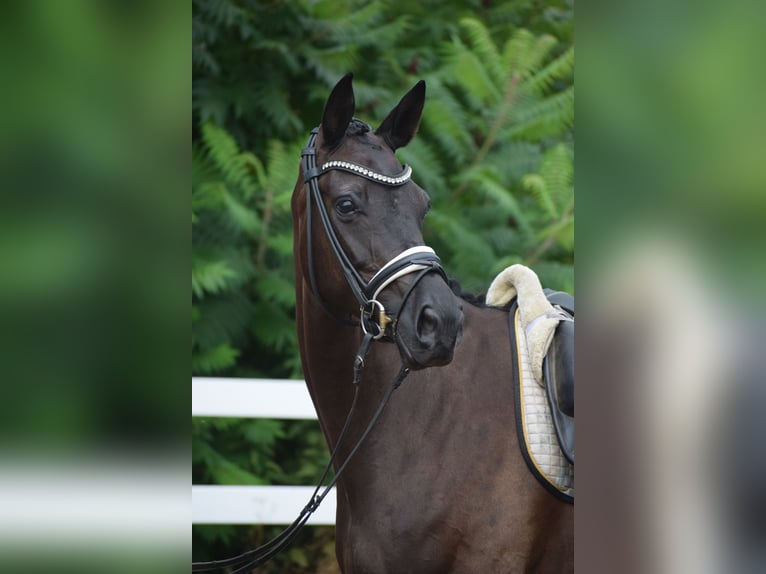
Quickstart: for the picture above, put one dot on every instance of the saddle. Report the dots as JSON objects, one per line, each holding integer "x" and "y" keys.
{"x": 558, "y": 374}
{"x": 542, "y": 336}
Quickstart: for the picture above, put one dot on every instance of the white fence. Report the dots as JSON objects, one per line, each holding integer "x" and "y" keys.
{"x": 254, "y": 398}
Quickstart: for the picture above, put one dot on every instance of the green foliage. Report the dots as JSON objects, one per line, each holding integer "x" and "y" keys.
{"x": 243, "y": 323}
{"x": 241, "y": 257}
{"x": 495, "y": 152}
{"x": 502, "y": 122}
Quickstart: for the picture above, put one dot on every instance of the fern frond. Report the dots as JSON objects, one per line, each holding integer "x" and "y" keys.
{"x": 549, "y": 117}
{"x": 514, "y": 159}
{"x": 211, "y": 276}
{"x": 516, "y": 52}
{"x": 268, "y": 100}
{"x": 255, "y": 167}
{"x": 538, "y": 53}
{"x": 221, "y": 470}
{"x": 223, "y": 150}
{"x": 426, "y": 166}
{"x": 446, "y": 122}
{"x": 202, "y": 168}
{"x": 377, "y": 33}
{"x": 468, "y": 71}
{"x": 221, "y": 147}
{"x": 274, "y": 287}
{"x": 357, "y": 18}
{"x": 542, "y": 80}
{"x": 208, "y": 195}
{"x": 562, "y": 232}
{"x": 282, "y": 168}
{"x": 466, "y": 250}
{"x": 557, "y": 169}
{"x": 222, "y": 319}
{"x": 244, "y": 217}
{"x": 483, "y": 180}
{"x": 331, "y": 63}
{"x": 536, "y": 185}
{"x": 203, "y": 59}
{"x": 280, "y": 333}
{"x": 238, "y": 218}
{"x": 223, "y": 12}
{"x": 484, "y": 47}
{"x": 215, "y": 359}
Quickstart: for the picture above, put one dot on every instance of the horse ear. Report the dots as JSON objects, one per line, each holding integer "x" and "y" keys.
{"x": 338, "y": 112}
{"x": 401, "y": 124}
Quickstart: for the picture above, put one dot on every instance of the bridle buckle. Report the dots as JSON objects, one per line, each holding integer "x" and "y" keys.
{"x": 373, "y": 316}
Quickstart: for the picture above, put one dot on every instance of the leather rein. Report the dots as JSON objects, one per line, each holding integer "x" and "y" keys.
{"x": 375, "y": 323}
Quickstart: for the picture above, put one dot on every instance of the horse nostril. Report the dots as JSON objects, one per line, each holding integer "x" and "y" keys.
{"x": 428, "y": 324}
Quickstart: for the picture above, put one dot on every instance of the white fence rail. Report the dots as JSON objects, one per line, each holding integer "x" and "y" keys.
{"x": 254, "y": 398}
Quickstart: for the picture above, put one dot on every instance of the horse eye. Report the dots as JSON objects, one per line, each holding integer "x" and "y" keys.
{"x": 345, "y": 206}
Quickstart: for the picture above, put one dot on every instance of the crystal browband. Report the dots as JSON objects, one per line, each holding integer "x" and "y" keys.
{"x": 366, "y": 172}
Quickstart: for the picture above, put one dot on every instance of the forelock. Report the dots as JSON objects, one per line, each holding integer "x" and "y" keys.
{"x": 357, "y": 128}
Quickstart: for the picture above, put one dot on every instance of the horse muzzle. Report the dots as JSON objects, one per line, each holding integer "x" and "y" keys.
{"x": 430, "y": 326}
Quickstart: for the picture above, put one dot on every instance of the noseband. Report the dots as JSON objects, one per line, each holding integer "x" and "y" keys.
{"x": 374, "y": 319}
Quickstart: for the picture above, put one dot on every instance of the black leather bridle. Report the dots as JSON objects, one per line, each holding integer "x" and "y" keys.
{"x": 421, "y": 259}
{"x": 375, "y": 322}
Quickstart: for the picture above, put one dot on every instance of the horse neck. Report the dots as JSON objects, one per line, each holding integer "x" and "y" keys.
{"x": 327, "y": 350}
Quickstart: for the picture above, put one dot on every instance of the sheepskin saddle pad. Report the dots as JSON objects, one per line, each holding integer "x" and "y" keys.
{"x": 542, "y": 333}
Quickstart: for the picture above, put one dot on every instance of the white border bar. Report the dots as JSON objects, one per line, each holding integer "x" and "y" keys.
{"x": 251, "y": 398}
{"x": 257, "y": 505}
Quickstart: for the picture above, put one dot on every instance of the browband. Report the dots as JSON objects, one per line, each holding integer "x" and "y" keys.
{"x": 360, "y": 170}
{"x": 367, "y": 173}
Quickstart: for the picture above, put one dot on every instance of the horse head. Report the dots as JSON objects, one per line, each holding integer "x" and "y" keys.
{"x": 367, "y": 260}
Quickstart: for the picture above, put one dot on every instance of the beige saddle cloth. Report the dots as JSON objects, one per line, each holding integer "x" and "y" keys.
{"x": 533, "y": 320}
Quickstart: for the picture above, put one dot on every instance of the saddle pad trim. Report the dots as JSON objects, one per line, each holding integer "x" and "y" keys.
{"x": 538, "y": 473}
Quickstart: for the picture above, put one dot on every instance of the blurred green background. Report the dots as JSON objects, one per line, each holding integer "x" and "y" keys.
{"x": 94, "y": 256}
{"x": 94, "y": 105}
{"x": 494, "y": 151}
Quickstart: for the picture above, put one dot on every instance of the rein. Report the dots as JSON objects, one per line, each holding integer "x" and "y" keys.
{"x": 375, "y": 322}
{"x": 259, "y": 556}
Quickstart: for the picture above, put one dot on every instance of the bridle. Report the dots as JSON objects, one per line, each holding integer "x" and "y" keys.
{"x": 374, "y": 319}
{"x": 375, "y": 322}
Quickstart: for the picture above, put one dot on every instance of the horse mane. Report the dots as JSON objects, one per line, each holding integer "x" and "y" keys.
{"x": 474, "y": 299}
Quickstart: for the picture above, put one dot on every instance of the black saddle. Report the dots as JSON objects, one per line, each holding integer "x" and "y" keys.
{"x": 558, "y": 374}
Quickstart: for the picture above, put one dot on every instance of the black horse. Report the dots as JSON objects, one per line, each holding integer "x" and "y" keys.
{"x": 440, "y": 485}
